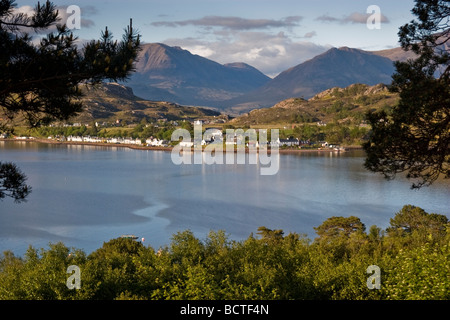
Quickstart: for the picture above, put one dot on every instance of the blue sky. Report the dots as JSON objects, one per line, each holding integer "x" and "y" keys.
{"x": 271, "y": 35}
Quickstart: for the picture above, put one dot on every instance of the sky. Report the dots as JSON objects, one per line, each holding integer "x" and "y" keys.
{"x": 271, "y": 35}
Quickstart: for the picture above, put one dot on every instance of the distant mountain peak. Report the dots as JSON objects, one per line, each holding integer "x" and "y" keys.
{"x": 337, "y": 67}
{"x": 348, "y": 49}
{"x": 176, "y": 75}
{"x": 239, "y": 65}
{"x": 173, "y": 74}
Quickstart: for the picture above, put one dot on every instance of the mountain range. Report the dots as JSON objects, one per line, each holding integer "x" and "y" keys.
{"x": 176, "y": 75}
{"x": 338, "y": 67}
{"x": 165, "y": 73}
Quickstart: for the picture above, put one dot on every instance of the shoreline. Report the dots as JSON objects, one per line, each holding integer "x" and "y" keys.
{"x": 167, "y": 149}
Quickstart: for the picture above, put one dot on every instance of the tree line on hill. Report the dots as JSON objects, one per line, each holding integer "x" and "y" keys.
{"x": 412, "y": 254}
{"x": 143, "y": 131}
{"x": 335, "y": 133}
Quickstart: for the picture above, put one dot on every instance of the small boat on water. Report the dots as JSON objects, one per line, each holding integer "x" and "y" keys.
{"x": 129, "y": 236}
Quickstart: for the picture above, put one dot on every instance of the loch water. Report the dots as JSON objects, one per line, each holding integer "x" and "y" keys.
{"x": 87, "y": 195}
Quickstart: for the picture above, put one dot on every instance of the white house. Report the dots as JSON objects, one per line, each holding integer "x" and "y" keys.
{"x": 75, "y": 139}
{"x": 187, "y": 144}
{"x": 154, "y": 142}
{"x": 215, "y": 133}
{"x": 92, "y": 139}
{"x": 113, "y": 140}
{"x": 287, "y": 142}
{"x": 131, "y": 141}
{"x": 253, "y": 144}
{"x": 329, "y": 145}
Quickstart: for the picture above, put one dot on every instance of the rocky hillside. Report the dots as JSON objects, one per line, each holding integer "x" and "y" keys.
{"x": 337, "y": 104}
{"x": 172, "y": 74}
{"x": 112, "y": 101}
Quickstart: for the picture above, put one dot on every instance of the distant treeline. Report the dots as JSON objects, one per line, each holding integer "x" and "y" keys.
{"x": 334, "y": 133}
{"x": 140, "y": 131}
{"x": 412, "y": 255}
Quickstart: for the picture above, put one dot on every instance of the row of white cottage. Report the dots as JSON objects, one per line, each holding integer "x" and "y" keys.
{"x": 154, "y": 142}
{"x": 238, "y": 141}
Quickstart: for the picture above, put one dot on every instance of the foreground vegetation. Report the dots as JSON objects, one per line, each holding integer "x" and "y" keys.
{"x": 412, "y": 253}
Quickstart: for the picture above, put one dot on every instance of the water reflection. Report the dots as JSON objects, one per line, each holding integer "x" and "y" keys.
{"x": 86, "y": 195}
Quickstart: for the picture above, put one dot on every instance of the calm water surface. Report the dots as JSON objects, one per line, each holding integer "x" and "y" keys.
{"x": 85, "y": 195}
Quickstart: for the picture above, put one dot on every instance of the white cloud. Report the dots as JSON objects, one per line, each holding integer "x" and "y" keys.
{"x": 357, "y": 17}
{"x": 309, "y": 35}
{"x": 354, "y": 18}
{"x": 85, "y": 11}
{"x": 201, "y": 50}
{"x": 327, "y": 18}
{"x": 269, "y": 45}
{"x": 233, "y": 23}
{"x": 269, "y": 53}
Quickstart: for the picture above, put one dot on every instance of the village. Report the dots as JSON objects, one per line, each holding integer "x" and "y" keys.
{"x": 212, "y": 135}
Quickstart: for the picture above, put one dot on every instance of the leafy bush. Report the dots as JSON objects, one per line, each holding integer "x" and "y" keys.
{"x": 414, "y": 265}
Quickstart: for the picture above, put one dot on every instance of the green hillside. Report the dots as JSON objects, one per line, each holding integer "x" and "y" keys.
{"x": 337, "y": 105}
{"x": 115, "y": 103}
{"x": 111, "y": 101}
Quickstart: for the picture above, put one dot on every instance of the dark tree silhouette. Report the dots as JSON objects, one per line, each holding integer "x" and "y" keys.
{"x": 41, "y": 81}
{"x": 415, "y": 137}
{"x": 12, "y": 183}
